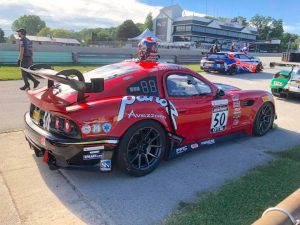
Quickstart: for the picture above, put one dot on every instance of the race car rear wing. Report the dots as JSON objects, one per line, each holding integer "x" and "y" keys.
{"x": 67, "y": 77}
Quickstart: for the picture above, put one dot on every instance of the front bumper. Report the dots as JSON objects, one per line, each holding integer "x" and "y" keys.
{"x": 64, "y": 151}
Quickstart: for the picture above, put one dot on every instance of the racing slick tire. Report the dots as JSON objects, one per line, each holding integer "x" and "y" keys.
{"x": 232, "y": 70}
{"x": 264, "y": 119}
{"x": 259, "y": 68}
{"x": 206, "y": 70}
{"x": 142, "y": 148}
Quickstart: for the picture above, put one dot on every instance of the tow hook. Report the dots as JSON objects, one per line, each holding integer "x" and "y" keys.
{"x": 50, "y": 160}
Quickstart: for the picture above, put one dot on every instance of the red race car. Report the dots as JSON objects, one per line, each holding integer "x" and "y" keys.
{"x": 136, "y": 113}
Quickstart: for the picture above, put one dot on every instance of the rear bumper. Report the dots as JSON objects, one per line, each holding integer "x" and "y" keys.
{"x": 65, "y": 151}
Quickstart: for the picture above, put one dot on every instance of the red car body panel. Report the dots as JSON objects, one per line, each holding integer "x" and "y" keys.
{"x": 187, "y": 120}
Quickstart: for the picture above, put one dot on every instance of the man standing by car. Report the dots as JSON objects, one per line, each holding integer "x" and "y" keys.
{"x": 25, "y": 59}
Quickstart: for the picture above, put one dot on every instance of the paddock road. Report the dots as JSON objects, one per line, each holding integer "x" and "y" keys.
{"x": 34, "y": 195}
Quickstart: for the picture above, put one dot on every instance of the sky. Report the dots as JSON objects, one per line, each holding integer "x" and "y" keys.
{"x": 79, "y": 14}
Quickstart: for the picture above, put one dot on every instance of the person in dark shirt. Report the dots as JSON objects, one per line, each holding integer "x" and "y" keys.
{"x": 25, "y": 59}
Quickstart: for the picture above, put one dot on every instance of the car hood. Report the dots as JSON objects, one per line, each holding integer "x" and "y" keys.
{"x": 226, "y": 87}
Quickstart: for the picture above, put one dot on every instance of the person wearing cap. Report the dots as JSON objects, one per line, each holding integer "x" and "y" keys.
{"x": 25, "y": 59}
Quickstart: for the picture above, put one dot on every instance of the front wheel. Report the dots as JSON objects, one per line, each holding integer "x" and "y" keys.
{"x": 232, "y": 70}
{"x": 264, "y": 119}
{"x": 142, "y": 148}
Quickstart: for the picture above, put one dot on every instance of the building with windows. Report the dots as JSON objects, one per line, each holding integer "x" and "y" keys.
{"x": 171, "y": 25}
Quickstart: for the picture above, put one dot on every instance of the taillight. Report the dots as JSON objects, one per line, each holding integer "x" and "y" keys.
{"x": 63, "y": 126}
{"x": 277, "y": 75}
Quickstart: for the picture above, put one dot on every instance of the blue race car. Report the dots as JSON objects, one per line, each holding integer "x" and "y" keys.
{"x": 230, "y": 63}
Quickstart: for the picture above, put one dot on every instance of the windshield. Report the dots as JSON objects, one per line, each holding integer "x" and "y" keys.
{"x": 108, "y": 72}
{"x": 296, "y": 77}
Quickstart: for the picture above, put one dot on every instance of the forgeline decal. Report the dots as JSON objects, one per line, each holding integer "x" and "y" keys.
{"x": 129, "y": 100}
{"x": 219, "y": 115}
{"x": 132, "y": 114}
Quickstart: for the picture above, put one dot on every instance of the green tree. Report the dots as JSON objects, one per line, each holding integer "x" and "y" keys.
{"x": 241, "y": 20}
{"x": 141, "y": 26}
{"x": 276, "y": 29}
{"x": 62, "y": 33}
{"x": 289, "y": 41}
{"x": 45, "y": 32}
{"x": 2, "y": 39}
{"x": 33, "y": 24}
{"x": 127, "y": 30}
{"x": 149, "y": 22}
{"x": 263, "y": 25}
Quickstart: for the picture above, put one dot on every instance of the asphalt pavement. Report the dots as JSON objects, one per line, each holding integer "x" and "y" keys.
{"x": 88, "y": 196}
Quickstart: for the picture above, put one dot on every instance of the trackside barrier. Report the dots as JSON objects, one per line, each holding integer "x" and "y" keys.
{"x": 285, "y": 213}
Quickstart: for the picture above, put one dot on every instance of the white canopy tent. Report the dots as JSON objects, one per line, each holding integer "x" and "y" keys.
{"x": 146, "y": 33}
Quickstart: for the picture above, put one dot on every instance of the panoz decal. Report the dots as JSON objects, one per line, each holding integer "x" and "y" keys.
{"x": 132, "y": 114}
{"x": 219, "y": 115}
{"x": 105, "y": 165}
{"x": 181, "y": 149}
{"x": 129, "y": 100}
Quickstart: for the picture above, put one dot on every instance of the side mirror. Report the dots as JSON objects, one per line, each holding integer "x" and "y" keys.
{"x": 220, "y": 93}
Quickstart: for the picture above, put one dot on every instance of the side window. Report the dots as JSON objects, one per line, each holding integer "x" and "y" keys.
{"x": 182, "y": 85}
{"x": 146, "y": 86}
{"x": 241, "y": 56}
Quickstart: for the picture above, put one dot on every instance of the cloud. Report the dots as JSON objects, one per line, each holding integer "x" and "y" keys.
{"x": 190, "y": 13}
{"x": 292, "y": 28}
{"x": 78, "y": 14}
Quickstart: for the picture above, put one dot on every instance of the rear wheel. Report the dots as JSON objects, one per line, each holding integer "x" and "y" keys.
{"x": 232, "y": 70}
{"x": 259, "y": 68}
{"x": 142, "y": 148}
{"x": 264, "y": 119}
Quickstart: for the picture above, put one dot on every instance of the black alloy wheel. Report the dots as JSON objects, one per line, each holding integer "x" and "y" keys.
{"x": 264, "y": 119}
{"x": 142, "y": 148}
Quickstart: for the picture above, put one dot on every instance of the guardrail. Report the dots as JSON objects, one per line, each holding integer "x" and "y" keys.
{"x": 10, "y": 57}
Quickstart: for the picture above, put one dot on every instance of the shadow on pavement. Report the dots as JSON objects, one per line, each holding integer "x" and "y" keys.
{"x": 123, "y": 199}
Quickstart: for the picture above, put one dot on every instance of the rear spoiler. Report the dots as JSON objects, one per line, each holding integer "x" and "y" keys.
{"x": 45, "y": 71}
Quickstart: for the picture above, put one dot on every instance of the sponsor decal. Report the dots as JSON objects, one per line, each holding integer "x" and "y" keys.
{"x": 237, "y": 114}
{"x": 101, "y": 147}
{"x": 132, "y": 114}
{"x": 208, "y": 142}
{"x": 219, "y": 116}
{"x": 265, "y": 98}
{"x": 134, "y": 89}
{"x": 220, "y": 102}
{"x": 105, "y": 165}
{"x": 96, "y": 128}
{"x": 236, "y": 122}
{"x": 47, "y": 121}
{"x": 181, "y": 149}
{"x": 86, "y": 129}
{"x": 90, "y": 153}
{"x": 236, "y": 104}
{"x": 235, "y": 97}
{"x": 106, "y": 127}
{"x": 195, "y": 145}
{"x": 92, "y": 156}
{"x": 43, "y": 140}
{"x": 129, "y": 100}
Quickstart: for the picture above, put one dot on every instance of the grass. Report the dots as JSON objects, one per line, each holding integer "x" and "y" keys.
{"x": 244, "y": 200}
{"x": 14, "y": 73}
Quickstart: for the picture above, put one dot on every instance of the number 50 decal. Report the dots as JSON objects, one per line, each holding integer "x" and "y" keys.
{"x": 219, "y": 118}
